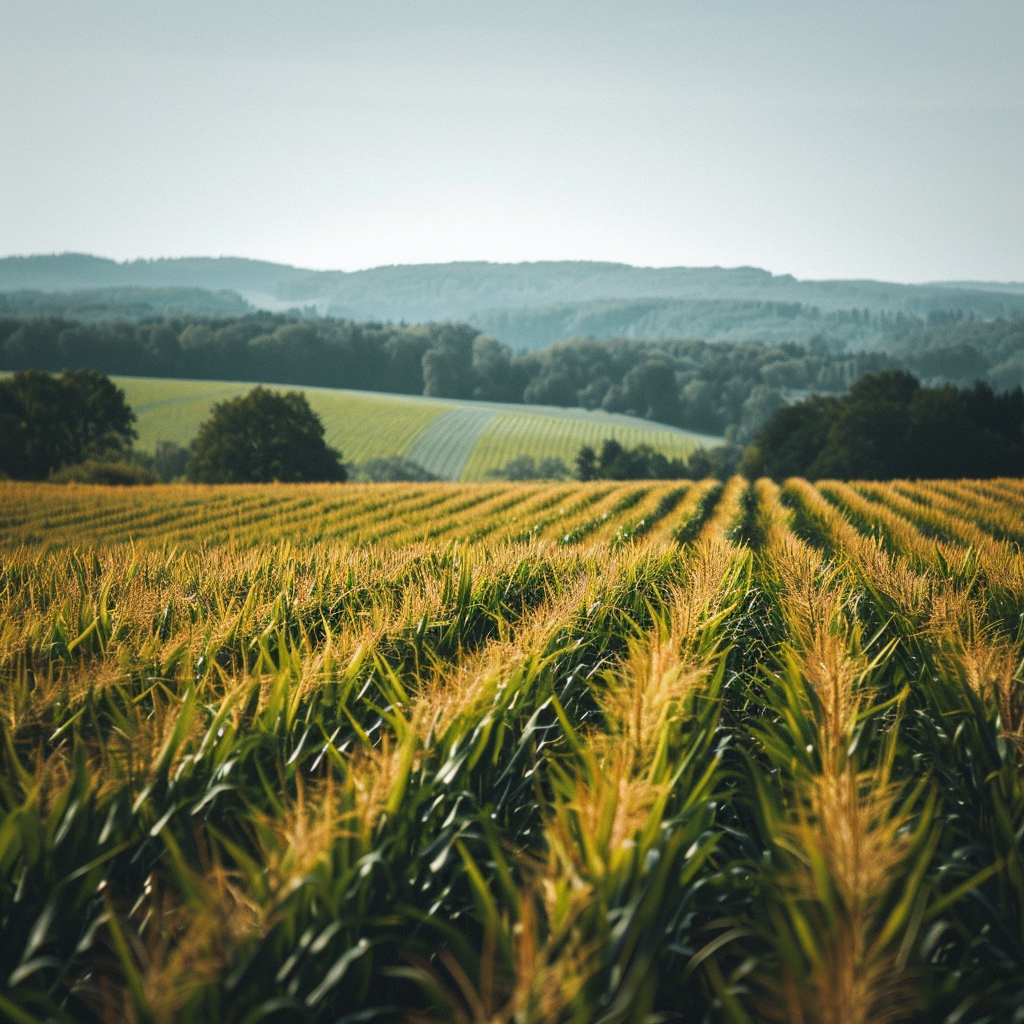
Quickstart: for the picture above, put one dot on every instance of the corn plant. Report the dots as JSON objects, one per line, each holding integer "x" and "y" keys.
{"x": 523, "y": 753}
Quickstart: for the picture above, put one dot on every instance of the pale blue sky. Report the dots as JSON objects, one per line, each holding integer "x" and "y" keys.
{"x": 870, "y": 139}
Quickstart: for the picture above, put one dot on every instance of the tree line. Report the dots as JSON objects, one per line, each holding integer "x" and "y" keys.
{"x": 78, "y": 427}
{"x": 889, "y": 427}
{"x": 957, "y": 348}
{"x": 48, "y": 422}
{"x": 717, "y": 388}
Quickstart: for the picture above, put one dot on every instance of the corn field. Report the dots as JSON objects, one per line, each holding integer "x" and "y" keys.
{"x": 513, "y": 753}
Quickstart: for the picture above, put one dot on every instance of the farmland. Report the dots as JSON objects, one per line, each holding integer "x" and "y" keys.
{"x": 513, "y": 434}
{"x": 512, "y": 752}
{"x": 364, "y": 426}
{"x": 451, "y": 439}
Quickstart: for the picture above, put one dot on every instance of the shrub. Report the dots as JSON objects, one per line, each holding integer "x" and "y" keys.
{"x": 615, "y": 462}
{"x": 393, "y": 470}
{"x": 93, "y": 471}
{"x": 170, "y": 460}
{"x": 525, "y": 467}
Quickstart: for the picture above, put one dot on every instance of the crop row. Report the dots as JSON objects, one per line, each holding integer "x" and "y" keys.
{"x": 724, "y": 752}
{"x": 912, "y": 518}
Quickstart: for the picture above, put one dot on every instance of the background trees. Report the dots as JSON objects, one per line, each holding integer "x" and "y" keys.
{"x": 693, "y": 384}
{"x": 889, "y": 426}
{"x": 721, "y": 388}
{"x": 263, "y": 436}
{"x": 614, "y": 462}
{"x": 47, "y": 422}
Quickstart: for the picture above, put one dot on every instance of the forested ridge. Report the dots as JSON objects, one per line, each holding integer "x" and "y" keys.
{"x": 700, "y": 386}
{"x": 132, "y": 303}
{"x": 709, "y": 387}
{"x": 958, "y": 348}
{"x": 768, "y": 322}
{"x": 468, "y": 290}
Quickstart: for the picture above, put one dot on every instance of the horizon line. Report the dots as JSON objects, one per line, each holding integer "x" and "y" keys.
{"x": 944, "y": 282}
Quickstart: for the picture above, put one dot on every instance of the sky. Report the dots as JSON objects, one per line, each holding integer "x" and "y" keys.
{"x": 865, "y": 138}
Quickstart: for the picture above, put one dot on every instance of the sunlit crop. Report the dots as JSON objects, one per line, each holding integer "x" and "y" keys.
{"x": 612, "y": 752}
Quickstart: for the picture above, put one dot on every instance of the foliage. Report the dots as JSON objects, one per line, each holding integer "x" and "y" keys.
{"x": 720, "y": 461}
{"x": 169, "y": 460}
{"x": 95, "y": 305}
{"x": 261, "y": 437}
{"x": 391, "y": 470}
{"x": 118, "y": 473}
{"x": 525, "y": 467}
{"x": 709, "y": 387}
{"x": 616, "y": 462}
{"x": 958, "y": 348}
{"x": 166, "y": 464}
{"x": 692, "y": 384}
{"x": 47, "y": 422}
{"x": 259, "y": 346}
{"x": 889, "y": 426}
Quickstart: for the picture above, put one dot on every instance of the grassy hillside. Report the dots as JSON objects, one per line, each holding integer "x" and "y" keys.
{"x": 454, "y": 440}
{"x": 511, "y": 434}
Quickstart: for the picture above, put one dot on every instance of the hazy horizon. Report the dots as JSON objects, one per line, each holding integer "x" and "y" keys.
{"x": 384, "y": 266}
{"x": 878, "y": 142}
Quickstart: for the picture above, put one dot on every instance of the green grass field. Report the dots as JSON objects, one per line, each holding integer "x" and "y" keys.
{"x": 511, "y": 434}
{"x": 452, "y": 439}
{"x": 363, "y": 425}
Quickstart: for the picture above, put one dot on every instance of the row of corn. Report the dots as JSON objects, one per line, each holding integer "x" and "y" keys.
{"x": 731, "y": 753}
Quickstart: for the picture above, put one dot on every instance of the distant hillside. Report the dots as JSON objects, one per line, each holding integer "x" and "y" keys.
{"x": 96, "y": 305}
{"x": 465, "y": 290}
{"x": 531, "y": 304}
{"x": 718, "y": 320}
{"x": 454, "y": 440}
{"x": 77, "y": 271}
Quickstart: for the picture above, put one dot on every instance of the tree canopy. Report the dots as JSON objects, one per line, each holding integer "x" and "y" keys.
{"x": 48, "y": 421}
{"x": 692, "y": 384}
{"x": 616, "y": 462}
{"x": 889, "y": 426}
{"x": 721, "y": 388}
{"x": 263, "y": 436}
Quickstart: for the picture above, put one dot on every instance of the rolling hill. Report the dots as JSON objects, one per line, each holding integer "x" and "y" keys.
{"x": 454, "y": 440}
{"x": 531, "y": 304}
{"x": 133, "y": 303}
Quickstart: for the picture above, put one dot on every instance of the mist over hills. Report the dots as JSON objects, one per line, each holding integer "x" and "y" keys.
{"x": 78, "y": 271}
{"x": 529, "y": 305}
{"x": 132, "y": 303}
